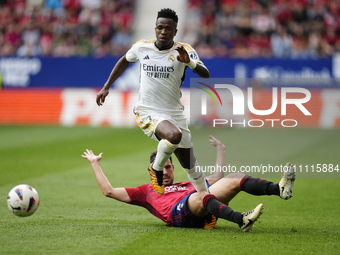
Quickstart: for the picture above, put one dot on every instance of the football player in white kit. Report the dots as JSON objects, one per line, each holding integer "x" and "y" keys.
{"x": 159, "y": 112}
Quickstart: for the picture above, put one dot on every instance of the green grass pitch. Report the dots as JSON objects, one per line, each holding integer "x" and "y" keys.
{"x": 75, "y": 218}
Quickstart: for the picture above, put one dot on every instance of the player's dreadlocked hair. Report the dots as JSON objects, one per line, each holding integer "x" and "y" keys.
{"x": 168, "y": 13}
{"x": 153, "y": 156}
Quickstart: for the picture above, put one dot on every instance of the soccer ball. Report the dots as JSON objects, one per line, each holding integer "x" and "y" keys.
{"x": 23, "y": 200}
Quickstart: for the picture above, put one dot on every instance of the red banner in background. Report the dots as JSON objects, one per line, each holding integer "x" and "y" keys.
{"x": 69, "y": 107}
{"x": 29, "y": 106}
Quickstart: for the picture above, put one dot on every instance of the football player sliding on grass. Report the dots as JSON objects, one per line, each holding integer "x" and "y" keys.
{"x": 182, "y": 206}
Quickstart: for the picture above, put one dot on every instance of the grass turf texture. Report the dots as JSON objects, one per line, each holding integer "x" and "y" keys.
{"x": 75, "y": 218}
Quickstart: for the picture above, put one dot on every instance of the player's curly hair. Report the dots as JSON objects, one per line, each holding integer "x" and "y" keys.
{"x": 153, "y": 156}
{"x": 168, "y": 13}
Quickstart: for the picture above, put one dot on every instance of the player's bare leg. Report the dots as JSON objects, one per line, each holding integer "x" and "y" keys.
{"x": 224, "y": 191}
{"x": 227, "y": 188}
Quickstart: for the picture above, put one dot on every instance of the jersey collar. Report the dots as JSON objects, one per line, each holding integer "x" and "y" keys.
{"x": 154, "y": 44}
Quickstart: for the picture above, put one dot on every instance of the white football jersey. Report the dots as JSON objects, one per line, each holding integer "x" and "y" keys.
{"x": 161, "y": 75}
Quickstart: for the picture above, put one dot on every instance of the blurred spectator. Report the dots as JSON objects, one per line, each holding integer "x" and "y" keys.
{"x": 331, "y": 17}
{"x": 31, "y": 34}
{"x": 13, "y": 35}
{"x": 56, "y": 5}
{"x": 240, "y": 48}
{"x": 259, "y": 45}
{"x": 226, "y": 22}
{"x": 73, "y": 5}
{"x": 242, "y": 20}
{"x": 90, "y": 4}
{"x": 263, "y": 22}
{"x": 314, "y": 44}
{"x": 283, "y": 12}
{"x": 123, "y": 18}
{"x": 34, "y": 3}
{"x": 205, "y": 50}
{"x": 281, "y": 43}
{"x": 46, "y": 39}
{"x": 89, "y": 18}
{"x": 29, "y": 49}
{"x": 299, "y": 11}
{"x": 299, "y": 49}
{"x": 121, "y": 41}
{"x": 102, "y": 51}
{"x": 65, "y": 46}
{"x": 207, "y": 26}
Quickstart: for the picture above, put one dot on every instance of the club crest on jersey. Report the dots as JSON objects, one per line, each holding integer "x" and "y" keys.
{"x": 171, "y": 58}
{"x": 179, "y": 207}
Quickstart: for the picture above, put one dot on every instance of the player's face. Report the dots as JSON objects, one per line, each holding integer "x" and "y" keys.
{"x": 165, "y": 33}
{"x": 168, "y": 173}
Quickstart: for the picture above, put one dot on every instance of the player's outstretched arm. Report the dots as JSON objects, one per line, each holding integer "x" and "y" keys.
{"x": 220, "y": 160}
{"x": 104, "y": 184}
{"x": 117, "y": 71}
{"x": 200, "y": 70}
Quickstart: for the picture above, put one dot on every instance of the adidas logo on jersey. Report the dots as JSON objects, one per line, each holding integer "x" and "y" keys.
{"x": 146, "y": 57}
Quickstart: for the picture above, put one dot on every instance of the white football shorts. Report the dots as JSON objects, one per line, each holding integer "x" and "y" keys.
{"x": 148, "y": 122}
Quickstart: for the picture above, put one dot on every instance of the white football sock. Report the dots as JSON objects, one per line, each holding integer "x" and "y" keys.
{"x": 197, "y": 178}
{"x": 164, "y": 151}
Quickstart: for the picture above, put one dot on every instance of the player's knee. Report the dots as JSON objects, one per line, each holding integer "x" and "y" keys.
{"x": 200, "y": 199}
{"x": 234, "y": 180}
{"x": 174, "y": 136}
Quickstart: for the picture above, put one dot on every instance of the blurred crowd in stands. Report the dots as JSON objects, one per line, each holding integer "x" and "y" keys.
{"x": 295, "y": 29}
{"x": 65, "y": 28}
